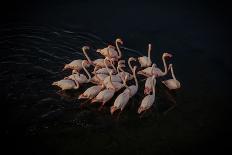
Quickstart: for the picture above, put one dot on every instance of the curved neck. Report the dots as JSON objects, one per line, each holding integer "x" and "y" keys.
{"x": 86, "y": 55}
{"x": 165, "y": 66}
{"x": 119, "y": 51}
{"x": 95, "y": 69}
{"x": 136, "y": 80}
{"x": 173, "y": 75}
{"x": 111, "y": 81}
{"x": 149, "y": 51}
{"x": 106, "y": 66}
{"x": 86, "y": 71}
{"x": 118, "y": 70}
{"x": 113, "y": 65}
{"x": 129, "y": 63}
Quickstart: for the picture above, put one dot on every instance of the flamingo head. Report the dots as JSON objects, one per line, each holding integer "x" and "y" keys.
{"x": 66, "y": 66}
{"x": 85, "y": 48}
{"x": 133, "y": 59}
{"x": 75, "y": 71}
{"x": 98, "y": 50}
{"x": 113, "y": 109}
{"x": 141, "y": 109}
{"x": 119, "y": 40}
{"x": 55, "y": 83}
{"x": 170, "y": 66}
{"x": 167, "y": 55}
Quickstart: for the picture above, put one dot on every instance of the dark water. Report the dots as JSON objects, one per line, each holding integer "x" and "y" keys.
{"x": 38, "y": 39}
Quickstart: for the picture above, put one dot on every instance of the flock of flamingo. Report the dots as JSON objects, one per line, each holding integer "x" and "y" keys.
{"x": 109, "y": 79}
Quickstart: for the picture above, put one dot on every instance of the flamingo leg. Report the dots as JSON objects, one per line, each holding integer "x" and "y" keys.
{"x": 169, "y": 109}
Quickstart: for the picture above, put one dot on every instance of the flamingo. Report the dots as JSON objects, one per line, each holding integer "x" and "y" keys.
{"x": 66, "y": 84}
{"x": 80, "y": 78}
{"x": 77, "y": 64}
{"x": 111, "y": 52}
{"x": 98, "y": 62}
{"x": 124, "y": 97}
{"x": 148, "y": 86}
{"x": 158, "y": 71}
{"x": 148, "y": 100}
{"x": 120, "y": 102}
{"x": 148, "y": 72}
{"x": 133, "y": 88}
{"x": 172, "y": 83}
{"x": 145, "y": 61}
{"x": 91, "y": 92}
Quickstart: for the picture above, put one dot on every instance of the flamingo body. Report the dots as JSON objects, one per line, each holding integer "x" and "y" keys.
{"x": 66, "y": 84}
{"x": 91, "y": 92}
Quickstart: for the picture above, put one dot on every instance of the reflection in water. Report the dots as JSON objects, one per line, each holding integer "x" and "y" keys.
{"x": 33, "y": 57}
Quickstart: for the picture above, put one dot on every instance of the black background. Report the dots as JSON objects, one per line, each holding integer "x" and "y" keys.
{"x": 208, "y": 22}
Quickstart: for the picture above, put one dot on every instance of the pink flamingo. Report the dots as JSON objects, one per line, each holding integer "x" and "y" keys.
{"x": 110, "y": 51}
{"x": 148, "y": 72}
{"x": 145, "y": 61}
{"x": 80, "y": 78}
{"x": 148, "y": 100}
{"x": 91, "y": 92}
{"x": 172, "y": 83}
{"x": 124, "y": 97}
{"x": 77, "y": 64}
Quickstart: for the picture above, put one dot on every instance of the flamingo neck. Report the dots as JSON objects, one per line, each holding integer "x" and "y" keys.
{"x": 96, "y": 74}
{"x": 111, "y": 82}
{"x": 118, "y": 49}
{"x": 86, "y": 55}
{"x": 106, "y": 66}
{"x": 173, "y": 75}
{"x": 149, "y": 51}
{"x": 165, "y": 66}
{"x": 113, "y": 65}
{"x": 86, "y": 71}
{"x": 129, "y": 63}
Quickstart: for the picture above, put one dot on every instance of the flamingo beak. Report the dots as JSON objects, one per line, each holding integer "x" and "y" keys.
{"x": 169, "y": 55}
{"x": 81, "y": 96}
{"x": 113, "y": 109}
{"x": 140, "y": 110}
{"x": 65, "y": 67}
{"x": 98, "y": 50}
{"x": 54, "y": 83}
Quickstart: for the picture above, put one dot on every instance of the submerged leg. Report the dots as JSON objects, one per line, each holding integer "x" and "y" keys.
{"x": 169, "y": 109}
